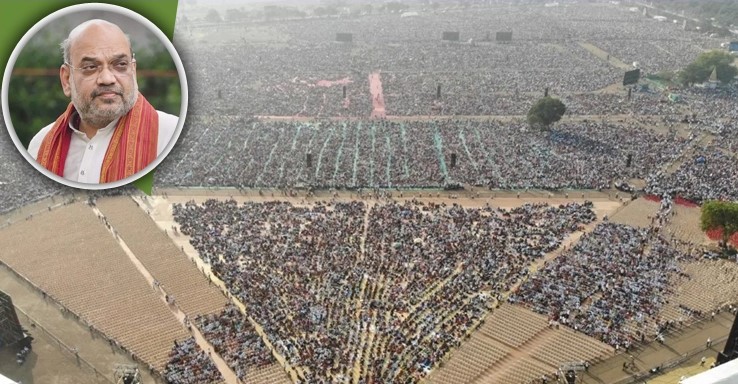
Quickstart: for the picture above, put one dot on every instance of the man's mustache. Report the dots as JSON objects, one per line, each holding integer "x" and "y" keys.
{"x": 100, "y": 91}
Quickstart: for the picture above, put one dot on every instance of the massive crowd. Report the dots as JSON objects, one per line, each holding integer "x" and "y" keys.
{"x": 708, "y": 174}
{"x": 236, "y": 340}
{"x": 19, "y": 182}
{"x": 383, "y": 153}
{"x": 389, "y": 288}
{"x": 295, "y": 69}
{"x": 477, "y": 77}
{"x": 285, "y": 61}
{"x": 188, "y": 363}
{"x": 614, "y": 275}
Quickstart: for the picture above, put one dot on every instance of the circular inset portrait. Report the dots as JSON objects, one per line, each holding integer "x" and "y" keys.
{"x": 94, "y": 96}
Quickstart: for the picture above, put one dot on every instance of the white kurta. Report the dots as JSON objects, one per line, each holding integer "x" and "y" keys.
{"x": 85, "y": 157}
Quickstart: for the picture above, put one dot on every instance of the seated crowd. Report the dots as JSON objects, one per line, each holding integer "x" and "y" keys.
{"x": 368, "y": 154}
{"x": 20, "y": 184}
{"x": 611, "y": 285}
{"x": 709, "y": 174}
{"x": 479, "y": 76}
{"x": 236, "y": 340}
{"x": 391, "y": 297}
{"x": 191, "y": 365}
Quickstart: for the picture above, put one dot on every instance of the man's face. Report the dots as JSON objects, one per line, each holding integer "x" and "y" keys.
{"x": 101, "y": 75}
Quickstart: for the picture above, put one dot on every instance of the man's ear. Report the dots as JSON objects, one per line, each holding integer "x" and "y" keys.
{"x": 64, "y": 76}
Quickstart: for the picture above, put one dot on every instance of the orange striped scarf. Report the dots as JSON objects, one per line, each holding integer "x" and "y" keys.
{"x": 132, "y": 148}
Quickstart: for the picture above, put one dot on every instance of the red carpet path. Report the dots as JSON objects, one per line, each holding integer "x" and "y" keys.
{"x": 375, "y": 87}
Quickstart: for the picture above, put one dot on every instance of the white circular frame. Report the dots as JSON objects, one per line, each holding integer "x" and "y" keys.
{"x": 112, "y": 9}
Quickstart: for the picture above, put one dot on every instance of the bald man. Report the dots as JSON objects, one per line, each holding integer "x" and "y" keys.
{"x": 109, "y": 131}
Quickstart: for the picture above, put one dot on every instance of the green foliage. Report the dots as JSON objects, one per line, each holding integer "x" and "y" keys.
{"x": 282, "y": 12}
{"x": 720, "y": 215}
{"x": 164, "y": 93}
{"x": 213, "y": 16}
{"x": 36, "y": 99}
{"x": 666, "y": 76}
{"x": 725, "y": 12}
{"x": 233, "y": 15}
{"x": 545, "y": 112}
{"x": 395, "y": 6}
{"x": 700, "y": 70}
{"x": 328, "y": 10}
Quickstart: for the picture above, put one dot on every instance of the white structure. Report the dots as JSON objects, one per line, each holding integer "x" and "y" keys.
{"x": 722, "y": 374}
{"x": 5, "y": 380}
{"x": 660, "y": 18}
{"x": 409, "y": 14}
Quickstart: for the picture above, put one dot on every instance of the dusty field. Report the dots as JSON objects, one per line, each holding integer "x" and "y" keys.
{"x": 685, "y": 225}
{"x": 160, "y": 208}
{"x": 636, "y": 213}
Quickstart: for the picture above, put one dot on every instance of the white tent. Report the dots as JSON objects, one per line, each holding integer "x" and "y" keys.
{"x": 726, "y": 373}
{"x": 5, "y": 380}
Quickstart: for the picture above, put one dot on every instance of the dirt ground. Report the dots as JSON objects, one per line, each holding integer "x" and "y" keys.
{"x": 691, "y": 367}
{"x": 684, "y": 342}
{"x": 51, "y": 362}
{"x": 45, "y": 364}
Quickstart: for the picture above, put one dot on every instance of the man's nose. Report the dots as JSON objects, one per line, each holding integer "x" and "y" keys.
{"x": 106, "y": 76}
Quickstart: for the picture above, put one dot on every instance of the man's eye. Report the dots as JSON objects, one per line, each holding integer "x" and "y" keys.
{"x": 121, "y": 65}
{"x": 89, "y": 67}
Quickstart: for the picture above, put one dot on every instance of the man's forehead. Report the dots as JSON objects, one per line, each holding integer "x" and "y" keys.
{"x": 100, "y": 41}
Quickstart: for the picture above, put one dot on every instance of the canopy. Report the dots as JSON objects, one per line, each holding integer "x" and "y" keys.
{"x": 5, "y": 380}
{"x": 675, "y": 97}
{"x": 726, "y": 373}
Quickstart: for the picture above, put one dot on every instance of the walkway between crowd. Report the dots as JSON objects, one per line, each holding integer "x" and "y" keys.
{"x": 604, "y": 55}
{"x": 375, "y": 87}
{"x": 526, "y": 351}
{"x": 228, "y": 375}
{"x": 567, "y": 243}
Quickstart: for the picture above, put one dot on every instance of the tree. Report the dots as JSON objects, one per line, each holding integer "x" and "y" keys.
{"x": 328, "y": 10}
{"x": 233, "y": 15}
{"x": 720, "y": 215}
{"x": 213, "y": 16}
{"x": 724, "y": 12}
{"x": 545, "y": 112}
{"x": 667, "y": 76}
{"x": 700, "y": 70}
{"x": 395, "y": 7}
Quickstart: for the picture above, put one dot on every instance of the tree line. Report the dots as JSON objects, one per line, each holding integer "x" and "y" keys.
{"x": 36, "y": 100}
